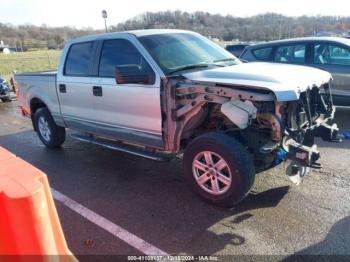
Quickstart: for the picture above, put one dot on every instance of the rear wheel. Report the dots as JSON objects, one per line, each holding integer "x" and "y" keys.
{"x": 49, "y": 133}
{"x": 219, "y": 168}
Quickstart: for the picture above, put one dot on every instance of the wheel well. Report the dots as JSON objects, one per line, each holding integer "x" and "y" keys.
{"x": 208, "y": 120}
{"x": 35, "y": 104}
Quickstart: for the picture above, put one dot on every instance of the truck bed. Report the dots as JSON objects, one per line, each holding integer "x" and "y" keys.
{"x": 36, "y": 82}
{"x": 39, "y": 73}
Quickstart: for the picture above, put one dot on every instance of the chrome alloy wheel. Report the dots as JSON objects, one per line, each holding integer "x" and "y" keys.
{"x": 211, "y": 172}
{"x": 44, "y": 129}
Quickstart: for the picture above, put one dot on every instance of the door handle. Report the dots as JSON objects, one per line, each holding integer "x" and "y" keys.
{"x": 97, "y": 90}
{"x": 62, "y": 88}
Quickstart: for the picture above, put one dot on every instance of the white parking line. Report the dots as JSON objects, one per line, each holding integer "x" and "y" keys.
{"x": 129, "y": 238}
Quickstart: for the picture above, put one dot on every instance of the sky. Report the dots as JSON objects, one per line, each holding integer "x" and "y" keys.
{"x": 87, "y": 13}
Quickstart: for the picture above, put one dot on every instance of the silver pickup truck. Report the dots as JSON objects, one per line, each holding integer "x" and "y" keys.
{"x": 160, "y": 93}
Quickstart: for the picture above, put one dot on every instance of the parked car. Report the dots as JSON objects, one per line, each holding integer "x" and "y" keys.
{"x": 151, "y": 92}
{"x": 4, "y": 91}
{"x": 327, "y": 53}
{"x": 237, "y": 49}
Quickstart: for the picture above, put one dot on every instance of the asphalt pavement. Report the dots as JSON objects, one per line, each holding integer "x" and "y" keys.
{"x": 152, "y": 201}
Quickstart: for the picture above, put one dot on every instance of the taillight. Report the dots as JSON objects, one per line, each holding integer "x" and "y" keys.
{"x": 14, "y": 84}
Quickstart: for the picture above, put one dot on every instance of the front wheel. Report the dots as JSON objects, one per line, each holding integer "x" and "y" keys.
{"x": 49, "y": 133}
{"x": 219, "y": 168}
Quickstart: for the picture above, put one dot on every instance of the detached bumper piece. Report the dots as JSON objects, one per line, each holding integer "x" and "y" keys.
{"x": 308, "y": 119}
{"x": 304, "y": 155}
{"x": 299, "y": 159}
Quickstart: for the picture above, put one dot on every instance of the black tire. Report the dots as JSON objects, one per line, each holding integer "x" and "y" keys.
{"x": 57, "y": 133}
{"x": 238, "y": 160}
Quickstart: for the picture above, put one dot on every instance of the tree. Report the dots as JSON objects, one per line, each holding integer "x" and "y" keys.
{"x": 263, "y": 27}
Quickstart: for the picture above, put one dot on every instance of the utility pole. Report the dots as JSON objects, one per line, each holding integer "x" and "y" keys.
{"x": 20, "y": 44}
{"x": 104, "y": 16}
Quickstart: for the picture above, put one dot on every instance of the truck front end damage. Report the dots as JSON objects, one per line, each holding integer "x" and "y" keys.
{"x": 268, "y": 128}
{"x": 307, "y": 119}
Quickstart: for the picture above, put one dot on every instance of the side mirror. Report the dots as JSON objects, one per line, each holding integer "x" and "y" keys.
{"x": 132, "y": 74}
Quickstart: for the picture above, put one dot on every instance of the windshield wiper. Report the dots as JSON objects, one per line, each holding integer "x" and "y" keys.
{"x": 188, "y": 67}
{"x": 194, "y": 66}
{"x": 224, "y": 60}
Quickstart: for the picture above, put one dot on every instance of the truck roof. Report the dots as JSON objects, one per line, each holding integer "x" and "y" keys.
{"x": 137, "y": 33}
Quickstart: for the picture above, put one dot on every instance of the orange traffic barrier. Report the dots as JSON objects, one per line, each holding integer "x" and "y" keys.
{"x": 29, "y": 223}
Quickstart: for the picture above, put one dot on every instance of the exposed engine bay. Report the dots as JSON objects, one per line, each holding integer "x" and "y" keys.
{"x": 271, "y": 130}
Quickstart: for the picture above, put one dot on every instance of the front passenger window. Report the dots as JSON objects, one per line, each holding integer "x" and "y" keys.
{"x": 122, "y": 53}
{"x": 331, "y": 54}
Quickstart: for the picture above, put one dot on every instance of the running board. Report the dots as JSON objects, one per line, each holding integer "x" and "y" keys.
{"x": 118, "y": 146}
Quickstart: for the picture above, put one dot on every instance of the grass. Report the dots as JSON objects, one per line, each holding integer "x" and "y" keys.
{"x": 30, "y": 61}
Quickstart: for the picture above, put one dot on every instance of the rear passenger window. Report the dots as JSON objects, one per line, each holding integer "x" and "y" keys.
{"x": 121, "y": 53}
{"x": 290, "y": 53}
{"x": 263, "y": 53}
{"x": 78, "y": 59}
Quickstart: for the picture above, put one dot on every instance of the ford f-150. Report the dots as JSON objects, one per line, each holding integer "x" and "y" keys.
{"x": 158, "y": 93}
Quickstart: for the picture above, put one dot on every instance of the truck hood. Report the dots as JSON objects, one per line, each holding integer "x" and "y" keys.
{"x": 285, "y": 81}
